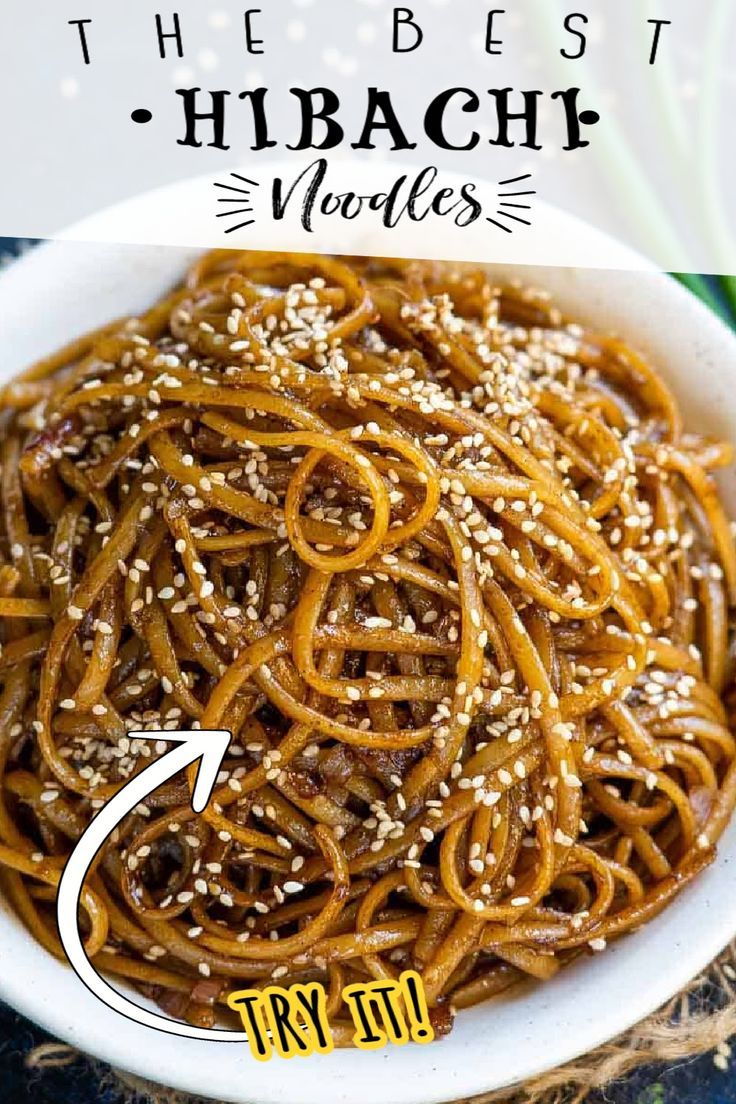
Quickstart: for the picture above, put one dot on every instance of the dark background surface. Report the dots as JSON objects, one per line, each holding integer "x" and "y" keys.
{"x": 694, "y": 1082}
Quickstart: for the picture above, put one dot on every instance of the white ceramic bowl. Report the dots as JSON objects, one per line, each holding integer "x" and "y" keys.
{"x": 63, "y": 288}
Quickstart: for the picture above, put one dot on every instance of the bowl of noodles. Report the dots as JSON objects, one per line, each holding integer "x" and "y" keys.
{"x": 447, "y": 549}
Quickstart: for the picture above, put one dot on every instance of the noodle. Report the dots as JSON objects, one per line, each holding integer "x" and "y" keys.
{"x": 449, "y": 569}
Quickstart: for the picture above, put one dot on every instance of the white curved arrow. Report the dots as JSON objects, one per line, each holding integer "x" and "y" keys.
{"x": 208, "y": 745}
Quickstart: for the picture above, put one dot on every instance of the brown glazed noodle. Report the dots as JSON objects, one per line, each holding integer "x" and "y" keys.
{"x": 449, "y": 568}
